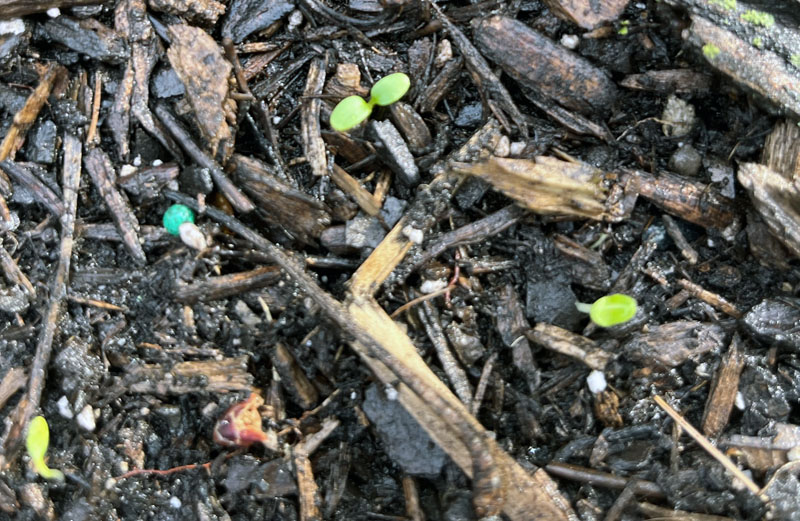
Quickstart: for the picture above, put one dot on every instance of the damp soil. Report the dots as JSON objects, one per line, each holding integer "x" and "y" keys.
{"x": 146, "y": 359}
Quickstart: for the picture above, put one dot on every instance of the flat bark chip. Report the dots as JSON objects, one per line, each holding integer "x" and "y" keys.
{"x": 201, "y": 65}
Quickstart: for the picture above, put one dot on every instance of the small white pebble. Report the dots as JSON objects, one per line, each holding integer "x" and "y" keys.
{"x": 516, "y": 148}
{"x": 391, "y": 393}
{"x": 429, "y": 286}
{"x": 111, "y": 483}
{"x": 503, "y": 147}
{"x": 123, "y": 466}
{"x": 596, "y": 381}
{"x": 192, "y": 236}
{"x": 137, "y": 161}
{"x": 127, "y": 170}
{"x": 15, "y": 26}
{"x": 413, "y": 234}
{"x": 739, "y": 402}
{"x": 175, "y": 502}
{"x": 209, "y": 410}
{"x": 144, "y": 411}
{"x": 570, "y": 41}
{"x": 295, "y": 19}
{"x": 276, "y": 120}
{"x": 64, "y": 408}
{"x": 353, "y": 395}
{"x": 157, "y": 162}
{"x": 793, "y": 454}
{"x": 85, "y": 418}
{"x": 54, "y": 12}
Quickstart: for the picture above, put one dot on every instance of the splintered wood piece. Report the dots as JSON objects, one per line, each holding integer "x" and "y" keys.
{"x": 587, "y": 13}
{"x": 512, "y": 325}
{"x": 688, "y": 252}
{"x": 14, "y": 274}
{"x": 235, "y": 196}
{"x": 147, "y": 183}
{"x": 413, "y": 510}
{"x": 108, "y": 232}
{"x": 293, "y": 379}
{"x": 670, "y": 345}
{"x": 762, "y": 453}
{"x": 15, "y": 135}
{"x": 201, "y": 66}
{"x": 248, "y": 16}
{"x": 723, "y": 391}
{"x": 570, "y": 120}
{"x": 681, "y": 81}
{"x": 710, "y": 298}
{"x": 588, "y": 266}
{"x": 212, "y": 376}
{"x": 293, "y": 209}
{"x": 782, "y": 149}
{"x": 226, "y": 286}
{"x": 775, "y": 198}
{"x": 353, "y": 188}
{"x": 412, "y": 126}
{"x": 455, "y": 373}
{"x": 492, "y": 90}
{"x": 439, "y": 87}
{"x": 17, "y": 420}
{"x": 764, "y": 72}
{"x": 545, "y": 185}
{"x": 41, "y": 192}
{"x": 12, "y": 382}
{"x": 204, "y": 12}
{"x": 103, "y": 177}
{"x": 603, "y": 479}
{"x": 313, "y": 146}
{"x": 538, "y": 64}
{"x": 17, "y": 8}
{"x": 307, "y": 491}
{"x": 570, "y": 344}
{"x": 691, "y": 201}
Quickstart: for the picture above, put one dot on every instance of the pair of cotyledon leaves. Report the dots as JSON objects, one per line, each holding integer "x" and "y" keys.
{"x": 351, "y": 111}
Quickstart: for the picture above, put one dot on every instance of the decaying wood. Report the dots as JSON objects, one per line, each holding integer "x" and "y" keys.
{"x": 293, "y": 379}
{"x": 765, "y": 453}
{"x": 12, "y": 271}
{"x": 15, "y": 135}
{"x": 455, "y": 373}
{"x": 296, "y": 211}
{"x": 545, "y": 185}
{"x": 41, "y": 192}
{"x": 539, "y": 64}
{"x": 691, "y": 201}
{"x": 146, "y": 183}
{"x": 201, "y": 11}
{"x": 103, "y": 177}
{"x": 723, "y": 391}
{"x": 763, "y": 71}
{"x": 603, "y": 479}
{"x": 782, "y": 149}
{"x": 511, "y": 323}
{"x": 12, "y": 382}
{"x": 12, "y": 438}
{"x": 682, "y": 81}
{"x": 353, "y": 188}
{"x": 313, "y": 146}
{"x": 493, "y": 92}
{"x": 587, "y": 13}
{"x": 671, "y": 344}
{"x": 570, "y": 344}
{"x": 226, "y": 286}
{"x": 17, "y": 8}
{"x": 688, "y": 252}
{"x": 214, "y": 376}
{"x": 88, "y": 37}
{"x": 412, "y": 126}
{"x": 235, "y": 196}
{"x": 201, "y": 66}
{"x": 392, "y": 357}
{"x": 437, "y": 89}
{"x": 710, "y": 298}
{"x": 587, "y": 265}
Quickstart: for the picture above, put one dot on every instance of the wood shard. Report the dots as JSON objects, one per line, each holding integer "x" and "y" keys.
{"x": 723, "y": 390}
{"x": 545, "y": 185}
{"x": 570, "y": 344}
{"x": 103, "y": 176}
{"x": 682, "y": 81}
{"x": 214, "y": 376}
{"x": 202, "y": 11}
{"x": 293, "y": 379}
{"x": 670, "y": 345}
{"x": 587, "y": 13}
{"x": 202, "y": 68}
{"x": 227, "y": 285}
{"x": 17, "y": 8}
{"x": 537, "y": 63}
{"x": 764, "y": 453}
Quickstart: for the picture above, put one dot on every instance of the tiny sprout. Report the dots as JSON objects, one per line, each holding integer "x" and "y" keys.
{"x": 36, "y": 444}
{"x": 353, "y": 110}
{"x": 610, "y": 310}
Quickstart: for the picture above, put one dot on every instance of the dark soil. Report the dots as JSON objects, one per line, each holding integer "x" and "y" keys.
{"x": 124, "y": 327}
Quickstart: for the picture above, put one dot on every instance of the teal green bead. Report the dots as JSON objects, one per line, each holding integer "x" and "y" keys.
{"x": 176, "y": 215}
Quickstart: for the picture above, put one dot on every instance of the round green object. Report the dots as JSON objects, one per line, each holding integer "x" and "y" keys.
{"x": 612, "y": 310}
{"x": 349, "y": 113}
{"x": 389, "y": 89}
{"x": 176, "y": 215}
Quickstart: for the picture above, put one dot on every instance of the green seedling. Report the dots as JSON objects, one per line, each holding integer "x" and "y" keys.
{"x": 610, "y": 310}
{"x": 353, "y": 110}
{"x": 36, "y": 443}
{"x": 711, "y": 51}
{"x": 758, "y": 18}
{"x": 176, "y": 215}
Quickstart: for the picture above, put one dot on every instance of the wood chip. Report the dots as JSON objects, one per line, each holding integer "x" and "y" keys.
{"x": 723, "y": 391}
